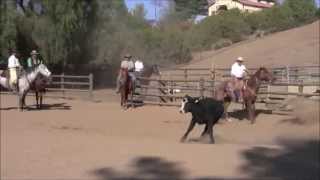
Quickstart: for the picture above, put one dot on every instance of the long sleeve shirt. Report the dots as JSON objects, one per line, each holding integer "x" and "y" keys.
{"x": 13, "y": 62}
{"x": 238, "y": 70}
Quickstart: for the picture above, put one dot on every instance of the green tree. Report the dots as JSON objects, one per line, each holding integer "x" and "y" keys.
{"x": 8, "y": 33}
{"x": 302, "y": 10}
{"x": 191, "y": 8}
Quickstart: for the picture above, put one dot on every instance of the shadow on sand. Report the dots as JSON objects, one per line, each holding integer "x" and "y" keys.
{"x": 242, "y": 114}
{"x": 296, "y": 160}
{"x": 56, "y": 106}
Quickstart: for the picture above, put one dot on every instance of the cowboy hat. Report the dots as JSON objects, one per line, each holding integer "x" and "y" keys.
{"x": 34, "y": 52}
{"x": 127, "y": 56}
{"x": 240, "y": 59}
{"x": 12, "y": 50}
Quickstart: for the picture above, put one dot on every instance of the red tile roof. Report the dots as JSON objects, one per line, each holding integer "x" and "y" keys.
{"x": 255, "y": 4}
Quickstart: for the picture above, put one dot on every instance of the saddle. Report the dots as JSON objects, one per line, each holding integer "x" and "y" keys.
{"x": 5, "y": 73}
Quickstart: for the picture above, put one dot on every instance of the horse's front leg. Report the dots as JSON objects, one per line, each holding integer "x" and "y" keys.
{"x": 225, "y": 113}
{"x": 253, "y": 120}
{"x": 132, "y": 94}
{"x": 250, "y": 110}
{"x": 21, "y": 101}
{"x": 37, "y": 99}
{"x": 41, "y": 97}
{"x": 121, "y": 99}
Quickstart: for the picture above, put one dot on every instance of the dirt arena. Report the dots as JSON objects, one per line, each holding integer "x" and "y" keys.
{"x": 80, "y": 139}
{"x": 77, "y": 139}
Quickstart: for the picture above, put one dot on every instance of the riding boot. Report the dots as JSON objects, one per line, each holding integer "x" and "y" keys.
{"x": 237, "y": 95}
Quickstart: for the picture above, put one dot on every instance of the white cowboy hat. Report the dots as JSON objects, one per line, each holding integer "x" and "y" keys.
{"x": 240, "y": 59}
{"x": 34, "y": 52}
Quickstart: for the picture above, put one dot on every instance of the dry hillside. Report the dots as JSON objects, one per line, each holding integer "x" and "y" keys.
{"x": 299, "y": 46}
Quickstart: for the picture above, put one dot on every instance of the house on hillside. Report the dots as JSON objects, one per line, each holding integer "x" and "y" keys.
{"x": 214, "y": 6}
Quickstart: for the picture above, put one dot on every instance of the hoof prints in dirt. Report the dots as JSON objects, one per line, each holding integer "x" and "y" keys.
{"x": 66, "y": 128}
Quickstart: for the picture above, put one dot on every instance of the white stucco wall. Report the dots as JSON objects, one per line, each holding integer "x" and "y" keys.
{"x": 230, "y": 5}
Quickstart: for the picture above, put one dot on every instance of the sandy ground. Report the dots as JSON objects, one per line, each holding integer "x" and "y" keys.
{"x": 77, "y": 139}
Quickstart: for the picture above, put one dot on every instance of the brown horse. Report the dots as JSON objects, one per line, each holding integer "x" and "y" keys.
{"x": 147, "y": 72}
{"x": 226, "y": 91}
{"x": 126, "y": 87}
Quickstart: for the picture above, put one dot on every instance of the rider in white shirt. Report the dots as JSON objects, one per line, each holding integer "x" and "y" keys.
{"x": 13, "y": 66}
{"x": 238, "y": 72}
{"x": 138, "y": 66}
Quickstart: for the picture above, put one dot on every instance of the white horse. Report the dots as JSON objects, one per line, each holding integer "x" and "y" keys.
{"x": 25, "y": 81}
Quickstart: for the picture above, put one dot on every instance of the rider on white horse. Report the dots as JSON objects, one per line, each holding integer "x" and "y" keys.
{"x": 33, "y": 60}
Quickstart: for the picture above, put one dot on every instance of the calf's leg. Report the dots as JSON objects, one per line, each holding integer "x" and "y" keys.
{"x": 204, "y": 130}
{"x": 210, "y": 131}
{"x": 191, "y": 126}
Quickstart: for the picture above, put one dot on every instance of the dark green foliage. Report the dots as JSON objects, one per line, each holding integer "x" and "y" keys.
{"x": 190, "y": 8}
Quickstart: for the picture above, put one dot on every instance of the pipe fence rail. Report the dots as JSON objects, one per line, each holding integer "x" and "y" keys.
{"x": 173, "y": 84}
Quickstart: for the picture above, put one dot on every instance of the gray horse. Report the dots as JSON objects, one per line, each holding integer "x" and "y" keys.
{"x": 25, "y": 82}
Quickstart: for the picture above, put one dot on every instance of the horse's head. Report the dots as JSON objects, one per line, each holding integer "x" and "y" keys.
{"x": 44, "y": 70}
{"x": 264, "y": 75}
{"x": 155, "y": 69}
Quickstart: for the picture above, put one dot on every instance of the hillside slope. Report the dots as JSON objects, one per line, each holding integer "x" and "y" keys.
{"x": 295, "y": 47}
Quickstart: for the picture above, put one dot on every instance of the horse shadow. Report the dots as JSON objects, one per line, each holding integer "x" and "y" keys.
{"x": 242, "y": 114}
{"x": 56, "y": 106}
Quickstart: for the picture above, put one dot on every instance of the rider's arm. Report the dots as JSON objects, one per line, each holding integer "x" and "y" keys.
{"x": 29, "y": 63}
{"x": 18, "y": 63}
{"x": 233, "y": 68}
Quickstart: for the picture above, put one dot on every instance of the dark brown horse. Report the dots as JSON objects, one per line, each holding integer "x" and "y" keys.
{"x": 126, "y": 87}
{"x": 225, "y": 91}
{"x": 147, "y": 72}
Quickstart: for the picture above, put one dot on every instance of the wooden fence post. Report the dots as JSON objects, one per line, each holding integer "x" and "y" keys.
{"x": 213, "y": 77}
{"x": 288, "y": 77}
{"x": 62, "y": 84}
{"x": 161, "y": 84}
{"x": 300, "y": 88}
{"x": 201, "y": 87}
{"x": 186, "y": 77}
{"x": 288, "y": 74}
{"x": 91, "y": 86}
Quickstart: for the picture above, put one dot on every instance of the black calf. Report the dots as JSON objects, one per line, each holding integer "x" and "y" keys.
{"x": 204, "y": 111}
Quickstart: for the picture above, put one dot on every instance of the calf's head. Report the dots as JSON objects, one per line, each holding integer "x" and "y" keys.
{"x": 187, "y": 103}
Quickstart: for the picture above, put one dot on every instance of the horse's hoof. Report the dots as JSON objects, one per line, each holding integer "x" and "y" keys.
{"x": 182, "y": 140}
{"x": 229, "y": 120}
